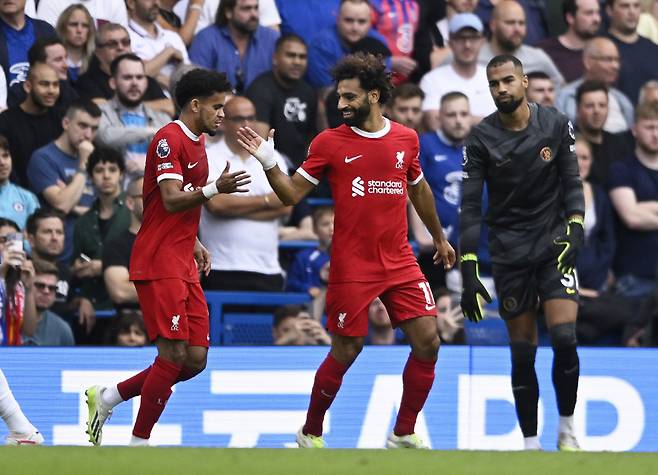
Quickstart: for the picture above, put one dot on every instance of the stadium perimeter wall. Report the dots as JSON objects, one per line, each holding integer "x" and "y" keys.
{"x": 257, "y": 397}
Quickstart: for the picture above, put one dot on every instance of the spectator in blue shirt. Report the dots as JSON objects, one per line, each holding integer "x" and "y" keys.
{"x": 331, "y": 44}
{"x": 236, "y": 44}
{"x": 16, "y": 203}
{"x": 306, "y": 272}
{"x": 57, "y": 172}
{"x": 17, "y": 34}
{"x": 301, "y": 16}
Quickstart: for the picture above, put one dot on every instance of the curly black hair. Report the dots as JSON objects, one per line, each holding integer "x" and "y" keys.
{"x": 369, "y": 69}
{"x": 200, "y": 83}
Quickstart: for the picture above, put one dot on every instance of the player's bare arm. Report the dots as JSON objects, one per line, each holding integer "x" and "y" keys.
{"x": 175, "y": 199}
{"x": 290, "y": 190}
{"x": 202, "y": 257}
{"x": 422, "y": 199}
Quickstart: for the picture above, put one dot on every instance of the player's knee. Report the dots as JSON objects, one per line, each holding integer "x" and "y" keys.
{"x": 563, "y": 336}
{"x": 523, "y": 354}
{"x": 427, "y": 347}
{"x": 347, "y": 350}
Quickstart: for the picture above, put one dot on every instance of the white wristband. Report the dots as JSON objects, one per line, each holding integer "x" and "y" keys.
{"x": 196, "y": 7}
{"x": 210, "y": 190}
{"x": 265, "y": 154}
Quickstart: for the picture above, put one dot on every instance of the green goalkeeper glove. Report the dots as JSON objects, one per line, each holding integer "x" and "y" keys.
{"x": 471, "y": 288}
{"x": 572, "y": 242}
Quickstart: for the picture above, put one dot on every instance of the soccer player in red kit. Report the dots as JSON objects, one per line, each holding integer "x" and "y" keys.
{"x": 167, "y": 256}
{"x": 372, "y": 166}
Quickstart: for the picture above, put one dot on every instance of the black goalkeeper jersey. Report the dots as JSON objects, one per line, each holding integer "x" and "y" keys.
{"x": 532, "y": 181}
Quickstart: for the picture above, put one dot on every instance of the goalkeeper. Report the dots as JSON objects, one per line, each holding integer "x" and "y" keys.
{"x": 525, "y": 154}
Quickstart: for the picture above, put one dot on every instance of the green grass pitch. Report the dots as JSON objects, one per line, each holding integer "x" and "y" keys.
{"x": 190, "y": 461}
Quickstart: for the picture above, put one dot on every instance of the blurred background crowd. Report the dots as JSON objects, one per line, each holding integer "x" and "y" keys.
{"x": 85, "y": 84}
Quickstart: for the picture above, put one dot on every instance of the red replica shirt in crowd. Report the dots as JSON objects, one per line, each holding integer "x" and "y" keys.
{"x": 164, "y": 247}
{"x": 368, "y": 174}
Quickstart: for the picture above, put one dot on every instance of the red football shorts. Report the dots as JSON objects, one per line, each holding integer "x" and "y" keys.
{"x": 347, "y": 304}
{"x": 174, "y": 309}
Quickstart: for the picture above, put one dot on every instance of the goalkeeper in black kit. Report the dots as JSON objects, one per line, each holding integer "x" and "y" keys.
{"x": 525, "y": 154}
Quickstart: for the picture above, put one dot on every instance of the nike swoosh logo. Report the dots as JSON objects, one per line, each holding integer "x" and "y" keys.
{"x": 325, "y": 394}
{"x": 351, "y": 159}
{"x": 192, "y": 165}
{"x": 569, "y": 371}
{"x": 430, "y": 307}
{"x": 502, "y": 163}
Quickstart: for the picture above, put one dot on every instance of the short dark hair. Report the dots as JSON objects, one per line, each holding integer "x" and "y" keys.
{"x": 610, "y": 3}
{"x": 200, "y": 83}
{"x": 4, "y": 143}
{"x": 103, "y": 154}
{"x": 369, "y": 70}
{"x": 570, "y": 7}
{"x": 9, "y": 222}
{"x": 286, "y": 311}
{"x": 538, "y": 75}
{"x": 451, "y": 96}
{"x": 84, "y": 105}
{"x": 405, "y": 91}
{"x": 590, "y": 86}
{"x": 505, "y": 58}
{"x": 37, "y": 52}
{"x": 39, "y": 215}
{"x": 320, "y": 211}
{"x": 114, "y": 65}
{"x": 45, "y": 267}
{"x": 284, "y": 38}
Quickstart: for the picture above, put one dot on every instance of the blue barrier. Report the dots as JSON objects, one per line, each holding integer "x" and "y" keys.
{"x": 218, "y": 299}
{"x": 257, "y": 397}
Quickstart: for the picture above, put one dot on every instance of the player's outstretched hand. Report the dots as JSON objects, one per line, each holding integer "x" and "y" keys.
{"x": 262, "y": 149}
{"x": 444, "y": 254}
{"x": 233, "y": 182}
{"x": 571, "y": 242}
{"x": 202, "y": 258}
{"x": 472, "y": 288}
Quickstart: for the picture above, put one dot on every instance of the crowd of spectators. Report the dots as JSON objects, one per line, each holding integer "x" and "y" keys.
{"x": 85, "y": 86}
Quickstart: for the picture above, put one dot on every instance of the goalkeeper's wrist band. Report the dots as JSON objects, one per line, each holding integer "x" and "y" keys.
{"x": 469, "y": 257}
{"x": 577, "y": 219}
{"x": 210, "y": 190}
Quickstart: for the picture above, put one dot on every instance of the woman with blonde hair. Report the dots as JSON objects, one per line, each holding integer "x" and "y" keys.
{"x": 75, "y": 26}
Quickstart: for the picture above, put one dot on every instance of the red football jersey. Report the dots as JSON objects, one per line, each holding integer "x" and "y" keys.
{"x": 164, "y": 247}
{"x": 368, "y": 174}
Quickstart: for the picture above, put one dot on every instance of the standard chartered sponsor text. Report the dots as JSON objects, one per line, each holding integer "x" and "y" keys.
{"x": 387, "y": 187}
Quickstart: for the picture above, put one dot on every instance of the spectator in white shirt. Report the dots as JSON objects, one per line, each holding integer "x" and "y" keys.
{"x": 162, "y": 50}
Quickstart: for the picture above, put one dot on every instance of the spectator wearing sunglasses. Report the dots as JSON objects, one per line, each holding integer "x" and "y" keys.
{"x": 52, "y": 330}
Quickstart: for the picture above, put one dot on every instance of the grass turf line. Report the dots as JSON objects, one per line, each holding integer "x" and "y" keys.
{"x": 184, "y": 461}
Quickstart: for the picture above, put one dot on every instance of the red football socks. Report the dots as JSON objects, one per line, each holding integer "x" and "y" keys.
{"x": 155, "y": 393}
{"x": 132, "y": 386}
{"x": 328, "y": 379}
{"x": 417, "y": 380}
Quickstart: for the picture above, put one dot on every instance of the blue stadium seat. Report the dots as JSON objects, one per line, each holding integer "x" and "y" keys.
{"x": 247, "y": 329}
{"x": 218, "y": 299}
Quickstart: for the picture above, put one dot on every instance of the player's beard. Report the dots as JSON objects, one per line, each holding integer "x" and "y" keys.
{"x": 508, "y": 107}
{"x": 359, "y": 117}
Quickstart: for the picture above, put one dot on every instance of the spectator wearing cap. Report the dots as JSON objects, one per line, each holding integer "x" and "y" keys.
{"x": 508, "y": 32}
{"x": 463, "y": 74}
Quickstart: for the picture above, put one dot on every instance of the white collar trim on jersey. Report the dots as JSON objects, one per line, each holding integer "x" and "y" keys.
{"x": 374, "y": 135}
{"x": 187, "y": 131}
